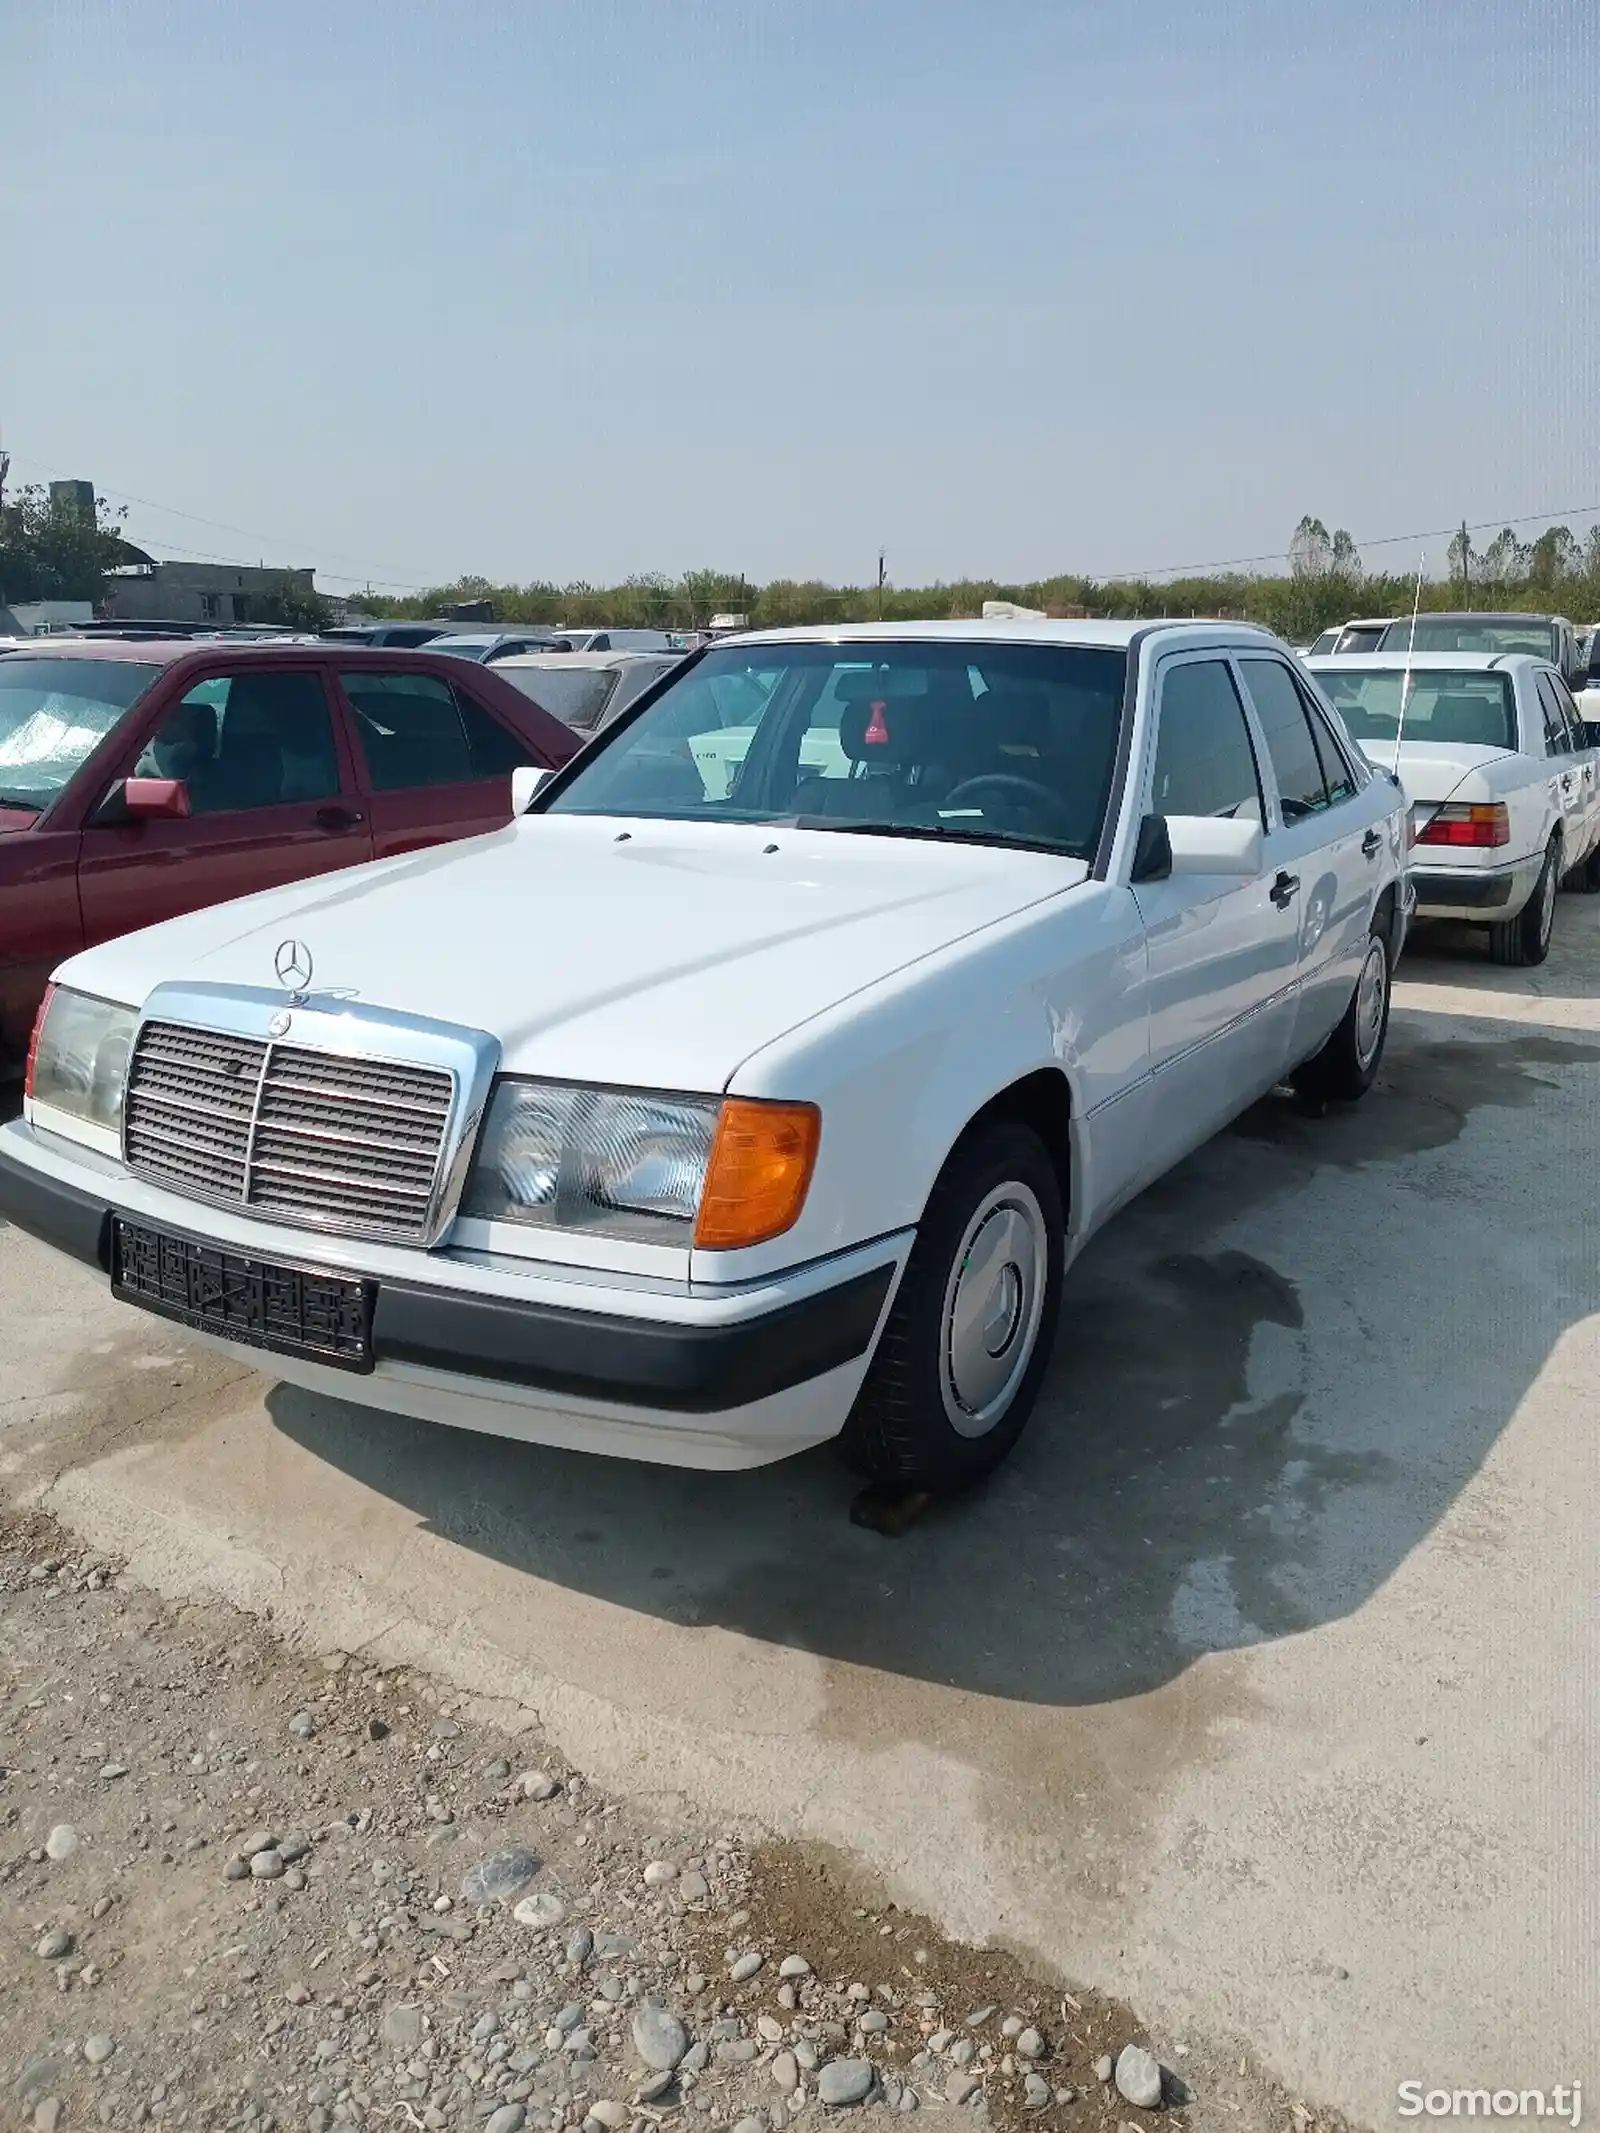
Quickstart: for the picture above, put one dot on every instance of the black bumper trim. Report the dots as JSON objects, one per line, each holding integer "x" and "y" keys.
{"x": 77, "y": 1223}
{"x": 694, "y": 1370}
{"x": 1482, "y": 892}
{"x": 591, "y": 1355}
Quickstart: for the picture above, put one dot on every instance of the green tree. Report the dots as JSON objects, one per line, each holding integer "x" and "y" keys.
{"x": 288, "y": 604}
{"x": 51, "y": 553}
{"x": 1310, "y": 549}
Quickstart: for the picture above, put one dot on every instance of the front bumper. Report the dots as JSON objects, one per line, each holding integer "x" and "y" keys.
{"x": 697, "y": 1377}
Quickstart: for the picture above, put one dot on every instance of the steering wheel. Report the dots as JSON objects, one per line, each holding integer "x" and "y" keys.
{"x": 1023, "y": 794}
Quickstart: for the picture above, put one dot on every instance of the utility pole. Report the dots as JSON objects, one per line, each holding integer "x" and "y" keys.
{"x": 1466, "y": 568}
{"x": 881, "y": 581}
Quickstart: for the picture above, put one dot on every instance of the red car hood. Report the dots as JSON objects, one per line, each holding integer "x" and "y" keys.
{"x": 16, "y": 818}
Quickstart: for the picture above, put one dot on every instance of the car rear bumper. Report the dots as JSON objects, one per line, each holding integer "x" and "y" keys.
{"x": 692, "y": 1377}
{"x": 1496, "y": 892}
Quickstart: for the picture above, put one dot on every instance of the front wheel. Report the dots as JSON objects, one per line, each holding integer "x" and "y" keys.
{"x": 1525, "y": 939}
{"x": 962, "y": 1357}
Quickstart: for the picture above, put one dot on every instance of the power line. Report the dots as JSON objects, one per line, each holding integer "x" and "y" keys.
{"x": 270, "y": 540}
{"x": 1388, "y": 540}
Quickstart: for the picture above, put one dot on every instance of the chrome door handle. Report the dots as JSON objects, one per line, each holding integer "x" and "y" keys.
{"x": 1372, "y": 844}
{"x": 1283, "y": 889}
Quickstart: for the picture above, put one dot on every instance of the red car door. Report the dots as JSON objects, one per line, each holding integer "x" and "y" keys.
{"x": 437, "y": 764}
{"x": 272, "y": 798}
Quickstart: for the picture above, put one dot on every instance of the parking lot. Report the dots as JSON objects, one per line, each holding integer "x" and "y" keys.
{"x": 1245, "y": 1691}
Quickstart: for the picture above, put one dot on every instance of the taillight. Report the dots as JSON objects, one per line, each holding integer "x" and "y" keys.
{"x": 1475, "y": 825}
{"x": 33, "y": 1041}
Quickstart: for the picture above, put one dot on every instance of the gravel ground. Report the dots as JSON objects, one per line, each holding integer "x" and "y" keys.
{"x": 246, "y": 1886}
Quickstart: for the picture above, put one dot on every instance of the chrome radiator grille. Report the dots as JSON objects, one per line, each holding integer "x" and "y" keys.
{"x": 329, "y": 1139}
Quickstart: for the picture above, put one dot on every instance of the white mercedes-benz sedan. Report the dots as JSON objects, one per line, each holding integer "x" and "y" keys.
{"x": 728, "y": 1101}
{"x": 1503, "y": 779}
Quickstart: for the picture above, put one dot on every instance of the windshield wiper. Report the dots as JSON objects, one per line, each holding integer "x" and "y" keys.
{"x": 939, "y": 832}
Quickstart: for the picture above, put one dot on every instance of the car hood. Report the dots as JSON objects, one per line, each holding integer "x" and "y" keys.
{"x": 1430, "y": 771}
{"x": 17, "y": 818}
{"x": 653, "y": 953}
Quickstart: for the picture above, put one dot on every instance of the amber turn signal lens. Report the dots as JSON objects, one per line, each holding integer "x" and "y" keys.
{"x": 33, "y": 1040}
{"x": 761, "y": 1163}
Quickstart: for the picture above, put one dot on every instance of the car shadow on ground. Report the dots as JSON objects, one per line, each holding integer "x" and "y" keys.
{"x": 1208, "y": 1469}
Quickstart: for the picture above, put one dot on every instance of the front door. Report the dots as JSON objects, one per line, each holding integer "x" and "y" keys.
{"x": 1222, "y": 954}
{"x": 270, "y": 801}
{"x": 437, "y": 764}
{"x": 1572, "y": 766}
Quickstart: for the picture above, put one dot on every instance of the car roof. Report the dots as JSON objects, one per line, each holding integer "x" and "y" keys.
{"x": 167, "y": 651}
{"x": 1483, "y": 614}
{"x": 1115, "y": 636}
{"x": 553, "y": 662}
{"x": 148, "y": 651}
{"x": 1394, "y": 662}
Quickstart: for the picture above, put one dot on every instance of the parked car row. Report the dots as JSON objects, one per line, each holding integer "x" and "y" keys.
{"x": 755, "y": 1082}
{"x": 1499, "y": 760}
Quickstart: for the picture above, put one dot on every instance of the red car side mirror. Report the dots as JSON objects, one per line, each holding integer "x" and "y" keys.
{"x": 155, "y": 800}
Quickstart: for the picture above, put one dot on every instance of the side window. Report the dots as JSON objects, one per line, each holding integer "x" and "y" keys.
{"x": 1557, "y": 740}
{"x": 1336, "y": 771}
{"x": 1577, "y": 738}
{"x": 1204, "y": 762}
{"x": 416, "y": 730}
{"x": 495, "y": 750}
{"x": 1296, "y": 765}
{"x": 247, "y": 740}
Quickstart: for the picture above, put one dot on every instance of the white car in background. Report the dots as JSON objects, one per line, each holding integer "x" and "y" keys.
{"x": 1361, "y": 635}
{"x": 586, "y": 690}
{"x": 1501, "y": 773}
{"x": 702, "y": 1121}
{"x": 610, "y": 640}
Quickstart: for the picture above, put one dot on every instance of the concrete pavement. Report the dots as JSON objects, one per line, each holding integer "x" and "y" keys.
{"x": 1259, "y": 1689}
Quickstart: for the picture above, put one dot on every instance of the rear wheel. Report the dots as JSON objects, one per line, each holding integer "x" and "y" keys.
{"x": 1347, "y": 1065}
{"x": 962, "y": 1357}
{"x": 1584, "y": 879}
{"x": 1525, "y": 939}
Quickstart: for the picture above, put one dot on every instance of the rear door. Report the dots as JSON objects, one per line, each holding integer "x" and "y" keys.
{"x": 1324, "y": 851}
{"x": 272, "y": 799}
{"x": 436, "y": 764}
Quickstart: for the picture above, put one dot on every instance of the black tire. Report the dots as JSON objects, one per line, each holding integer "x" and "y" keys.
{"x": 1584, "y": 880}
{"x": 903, "y": 1428}
{"x": 1347, "y": 1065}
{"x": 1525, "y": 939}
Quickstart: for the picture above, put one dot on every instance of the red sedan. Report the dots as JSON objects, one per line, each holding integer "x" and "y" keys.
{"x": 142, "y": 780}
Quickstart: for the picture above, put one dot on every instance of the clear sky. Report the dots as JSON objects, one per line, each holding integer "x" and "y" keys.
{"x": 574, "y": 288}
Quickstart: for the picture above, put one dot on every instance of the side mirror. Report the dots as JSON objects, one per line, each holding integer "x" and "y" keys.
{"x": 1214, "y": 844}
{"x": 526, "y": 784}
{"x": 154, "y": 800}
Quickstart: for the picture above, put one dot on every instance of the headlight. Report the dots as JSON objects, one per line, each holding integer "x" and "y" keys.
{"x": 79, "y": 1061}
{"x": 656, "y": 1169}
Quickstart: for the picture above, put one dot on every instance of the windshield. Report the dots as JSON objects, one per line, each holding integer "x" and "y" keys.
{"x": 53, "y": 714}
{"x": 576, "y": 695}
{"x": 1475, "y": 709}
{"x": 991, "y": 743}
{"x": 1360, "y": 637}
{"x": 1475, "y": 633}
